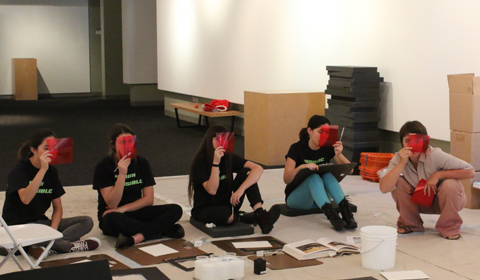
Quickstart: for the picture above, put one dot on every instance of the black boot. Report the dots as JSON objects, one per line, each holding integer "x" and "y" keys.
{"x": 247, "y": 218}
{"x": 347, "y": 214}
{"x": 332, "y": 215}
{"x": 266, "y": 219}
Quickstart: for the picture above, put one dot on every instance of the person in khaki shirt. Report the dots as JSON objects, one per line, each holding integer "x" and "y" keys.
{"x": 441, "y": 171}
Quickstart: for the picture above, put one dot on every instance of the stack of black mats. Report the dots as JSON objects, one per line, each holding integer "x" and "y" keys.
{"x": 355, "y": 106}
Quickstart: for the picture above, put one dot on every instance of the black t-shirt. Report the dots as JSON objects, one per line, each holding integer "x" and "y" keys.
{"x": 201, "y": 174}
{"x": 139, "y": 176}
{"x": 14, "y": 211}
{"x": 301, "y": 153}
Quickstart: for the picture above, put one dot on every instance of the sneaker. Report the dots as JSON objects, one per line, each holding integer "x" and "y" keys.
{"x": 266, "y": 219}
{"x": 37, "y": 251}
{"x": 88, "y": 244}
{"x": 124, "y": 241}
{"x": 176, "y": 231}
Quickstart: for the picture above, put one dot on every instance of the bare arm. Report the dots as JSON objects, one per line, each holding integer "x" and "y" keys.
{"x": 459, "y": 174}
{"x": 339, "y": 157}
{"x": 57, "y": 212}
{"x": 388, "y": 182}
{"x": 291, "y": 171}
{"x": 113, "y": 195}
{"x": 27, "y": 194}
{"x": 211, "y": 186}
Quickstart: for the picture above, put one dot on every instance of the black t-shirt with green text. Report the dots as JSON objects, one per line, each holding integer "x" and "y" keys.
{"x": 139, "y": 176}
{"x": 201, "y": 174}
{"x": 301, "y": 153}
{"x": 14, "y": 211}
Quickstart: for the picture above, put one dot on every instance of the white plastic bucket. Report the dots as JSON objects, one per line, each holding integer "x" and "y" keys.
{"x": 378, "y": 247}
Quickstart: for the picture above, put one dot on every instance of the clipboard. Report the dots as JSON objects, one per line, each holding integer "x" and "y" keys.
{"x": 339, "y": 171}
{"x": 184, "y": 248}
{"x": 227, "y": 245}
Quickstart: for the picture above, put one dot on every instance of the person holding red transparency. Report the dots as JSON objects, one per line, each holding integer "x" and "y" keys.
{"x": 440, "y": 170}
{"x": 316, "y": 190}
{"x": 34, "y": 185}
{"x": 219, "y": 181}
{"x": 124, "y": 182}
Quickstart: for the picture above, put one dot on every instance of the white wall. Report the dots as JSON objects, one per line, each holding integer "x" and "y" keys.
{"x": 220, "y": 48}
{"x": 54, "y": 32}
{"x": 139, "y": 30}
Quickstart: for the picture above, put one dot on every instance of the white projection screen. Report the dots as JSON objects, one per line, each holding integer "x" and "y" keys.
{"x": 220, "y": 48}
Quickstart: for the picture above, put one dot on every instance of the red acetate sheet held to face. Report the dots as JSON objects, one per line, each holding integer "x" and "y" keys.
{"x": 61, "y": 150}
{"x": 127, "y": 145}
{"x": 226, "y": 140}
{"x": 328, "y": 135}
{"x": 418, "y": 142}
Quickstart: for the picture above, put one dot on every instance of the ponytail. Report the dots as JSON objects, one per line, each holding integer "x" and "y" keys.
{"x": 314, "y": 122}
{"x": 303, "y": 134}
{"x": 35, "y": 140}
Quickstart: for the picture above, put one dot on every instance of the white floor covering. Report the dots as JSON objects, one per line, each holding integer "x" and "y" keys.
{"x": 437, "y": 257}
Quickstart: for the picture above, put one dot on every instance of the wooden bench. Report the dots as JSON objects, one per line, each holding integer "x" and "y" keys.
{"x": 196, "y": 108}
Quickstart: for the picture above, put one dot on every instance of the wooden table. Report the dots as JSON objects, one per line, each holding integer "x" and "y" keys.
{"x": 196, "y": 108}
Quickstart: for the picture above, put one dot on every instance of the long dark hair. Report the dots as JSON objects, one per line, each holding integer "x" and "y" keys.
{"x": 116, "y": 130}
{"x": 33, "y": 142}
{"x": 207, "y": 151}
{"x": 314, "y": 122}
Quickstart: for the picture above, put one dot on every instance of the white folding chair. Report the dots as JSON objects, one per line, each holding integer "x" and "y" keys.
{"x": 14, "y": 238}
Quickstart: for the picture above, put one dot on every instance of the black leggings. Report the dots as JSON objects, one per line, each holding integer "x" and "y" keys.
{"x": 150, "y": 221}
{"x": 219, "y": 214}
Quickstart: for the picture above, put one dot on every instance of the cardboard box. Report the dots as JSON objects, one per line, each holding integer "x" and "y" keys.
{"x": 466, "y": 146}
{"x": 273, "y": 120}
{"x": 464, "y": 102}
{"x": 472, "y": 194}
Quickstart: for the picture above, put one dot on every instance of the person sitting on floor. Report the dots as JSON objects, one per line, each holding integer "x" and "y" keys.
{"x": 441, "y": 171}
{"x": 125, "y": 196}
{"x": 217, "y": 195}
{"x": 34, "y": 185}
{"x": 316, "y": 190}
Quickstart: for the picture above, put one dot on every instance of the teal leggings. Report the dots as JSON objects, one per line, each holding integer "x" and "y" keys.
{"x": 315, "y": 191}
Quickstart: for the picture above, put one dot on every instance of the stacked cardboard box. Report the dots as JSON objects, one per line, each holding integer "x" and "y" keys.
{"x": 465, "y": 128}
{"x": 354, "y": 105}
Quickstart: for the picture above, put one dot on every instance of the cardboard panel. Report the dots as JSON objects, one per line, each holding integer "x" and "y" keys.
{"x": 473, "y": 194}
{"x": 464, "y": 102}
{"x": 466, "y": 146}
{"x": 273, "y": 121}
{"x": 284, "y": 261}
{"x": 113, "y": 263}
{"x": 25, "y": 78}
{"x": 460, "y": 83}
{"x": 465, "y": 112}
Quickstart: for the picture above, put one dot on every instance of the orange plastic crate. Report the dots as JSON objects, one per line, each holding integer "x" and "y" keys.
{"x": 377, "y": 160}
{"x": 366, "y": 176}
{"x": 368, "y": 170}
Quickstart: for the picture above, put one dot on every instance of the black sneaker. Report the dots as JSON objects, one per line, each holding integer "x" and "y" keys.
{"x": 124, "y": 241}
{"x": 88, "y": 244}
{"x": 176, "y": 231}
{"x": 266, "y": 219}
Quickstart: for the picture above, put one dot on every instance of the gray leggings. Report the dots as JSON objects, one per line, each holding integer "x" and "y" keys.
{"x": 72, "y": 229}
